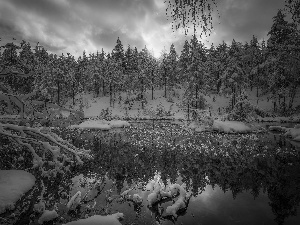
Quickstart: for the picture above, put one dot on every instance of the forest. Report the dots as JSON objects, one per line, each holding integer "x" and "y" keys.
{"x": 271, "y": 66}
{"x": 71, "y": 172}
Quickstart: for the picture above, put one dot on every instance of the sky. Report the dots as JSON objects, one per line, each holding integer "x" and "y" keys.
{"x": 72, "y": 26}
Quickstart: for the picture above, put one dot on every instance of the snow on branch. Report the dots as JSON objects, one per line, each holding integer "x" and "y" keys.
{"x": 47, "y": 142}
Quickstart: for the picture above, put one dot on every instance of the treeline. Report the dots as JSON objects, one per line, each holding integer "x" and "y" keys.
{"x": 271, "y": 66}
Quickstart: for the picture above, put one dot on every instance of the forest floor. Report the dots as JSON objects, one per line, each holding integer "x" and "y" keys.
{"x": 215, "y": 104}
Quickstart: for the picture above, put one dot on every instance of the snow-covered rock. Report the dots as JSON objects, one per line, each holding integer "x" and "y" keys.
{"x": 231, "y": 126}
{"x": 99, "y": 220}
{"x": 13, "y": 184}
{"x": 47, "y": 216}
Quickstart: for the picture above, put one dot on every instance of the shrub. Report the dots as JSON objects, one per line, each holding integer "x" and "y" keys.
{"x": 105, "y": 114}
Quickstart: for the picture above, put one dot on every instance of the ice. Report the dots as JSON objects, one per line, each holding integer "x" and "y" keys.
{"x": 47, "y": 216}
{"x": 99, "y": 220}
{"x": 13, "y": 184}
{"x": 230, "y": 126}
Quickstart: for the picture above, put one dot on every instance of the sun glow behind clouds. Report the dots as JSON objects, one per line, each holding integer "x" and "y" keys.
{"x": 63, "y": 26}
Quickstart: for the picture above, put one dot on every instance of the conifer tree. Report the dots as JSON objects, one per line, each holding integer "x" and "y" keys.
{"x": 184, "y": 61}
{"x": 172, "y": 64}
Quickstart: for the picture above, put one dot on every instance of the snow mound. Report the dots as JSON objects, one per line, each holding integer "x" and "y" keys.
{"x": 47, "y": 216}
{"x": 294, "y": 133}
{"x": 101, "y": 124}
{"x": 160, "y": 192}
{"x": 230, "y": 126}
{"x": 74, "y": 201}
{"x": 13, "y": 184}
{"x": 99, "y": 220}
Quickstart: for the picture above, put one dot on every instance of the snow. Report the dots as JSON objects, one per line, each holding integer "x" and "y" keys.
{"x": 47, "y": 216}
{"x": 136, "y": 198}
{"x": 294, "y": 133}
{"x": 230, "y": 126}
{"x": 180, "y": 203}
{"x": 101, "y": 124}
{"x": 161, "y": 192}
{"x": 40, "y": 206}
{"x": 13, "y": 184}
{"x": 99, "y": 220}
{"x": 74, "y": 201}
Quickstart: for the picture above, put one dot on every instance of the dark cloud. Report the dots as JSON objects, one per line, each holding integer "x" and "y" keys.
{"x": 240, "y": 19}
{"x": 108, "y": 38}
{"x": 77, "y": 25}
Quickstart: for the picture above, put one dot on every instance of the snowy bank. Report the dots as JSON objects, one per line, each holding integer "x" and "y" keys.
{"x": 47, "y": 216}
{"x": 13, "y": 184}
{"x": 99, "y": 220}
{"x": 294, "y": 133}
{"x": 231, "y": 126}
{"x": 101, "y": 124}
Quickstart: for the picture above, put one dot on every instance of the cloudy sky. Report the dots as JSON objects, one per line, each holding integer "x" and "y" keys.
{"x": 72, "y": 26}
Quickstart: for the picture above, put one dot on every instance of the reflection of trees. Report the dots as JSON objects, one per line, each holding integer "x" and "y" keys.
{"x": 284, "y": 194}
{"x": 233, "y": 162}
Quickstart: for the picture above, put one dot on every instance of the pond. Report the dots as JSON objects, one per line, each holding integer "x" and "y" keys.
{"x": 231, "y": 178}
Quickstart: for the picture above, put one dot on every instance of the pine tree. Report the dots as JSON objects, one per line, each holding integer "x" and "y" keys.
{"x": 172, "y": 64}
{"x": 118, "y": 54}
{"x": 184, "y": 61}
{"x": 282, "y": 61}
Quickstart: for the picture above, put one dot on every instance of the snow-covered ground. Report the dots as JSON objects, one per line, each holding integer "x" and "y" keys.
{"x": 215, "y": 105}
{"x": 13, "y": 184}
{"x": 211, "y": 115}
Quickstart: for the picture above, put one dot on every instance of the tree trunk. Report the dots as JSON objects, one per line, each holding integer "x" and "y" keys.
{"x": 103, "y": 87}
{"x": 58, "y": 92}
{"x": 152, "y": 84}
{"x": 292, "y": 97}
{"x": 284, "y": 103}
{"x": 73, "y": 93}
{"x": 188, "y": 111}
{"x": 165, "y": 84}
{"x": 196, "y": 96}
{"x": 110, "y": 94}
{"x": 142, "y": 91}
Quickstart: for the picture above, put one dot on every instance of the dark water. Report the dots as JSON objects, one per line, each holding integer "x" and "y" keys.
{"x": 233, "y": 179}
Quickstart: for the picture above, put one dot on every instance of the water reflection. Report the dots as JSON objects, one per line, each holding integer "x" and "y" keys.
{"x": 245, "y": 179}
